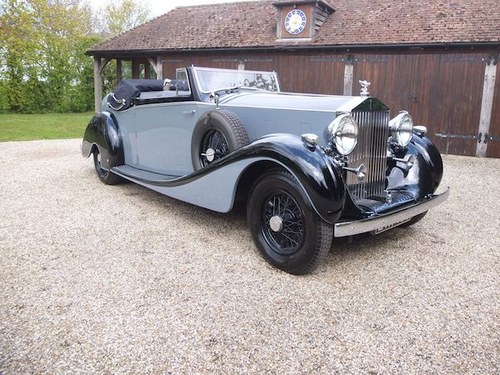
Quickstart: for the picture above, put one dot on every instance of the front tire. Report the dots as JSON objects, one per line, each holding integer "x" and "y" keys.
{"x": 105, "y": 175}
{"x": 285, "y": 227}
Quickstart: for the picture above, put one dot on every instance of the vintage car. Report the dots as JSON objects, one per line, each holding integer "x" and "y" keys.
{"x": 309, "y": 167}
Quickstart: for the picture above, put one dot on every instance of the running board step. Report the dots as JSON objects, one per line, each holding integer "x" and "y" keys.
{"x": 129, "y": 172}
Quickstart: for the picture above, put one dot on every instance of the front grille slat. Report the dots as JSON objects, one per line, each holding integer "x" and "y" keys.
{"x": 371, "y": 151}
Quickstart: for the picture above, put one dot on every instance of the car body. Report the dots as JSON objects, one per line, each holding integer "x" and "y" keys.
{"x": 309, "y": 167}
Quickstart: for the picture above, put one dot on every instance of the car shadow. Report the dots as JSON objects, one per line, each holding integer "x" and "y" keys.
{"x": 234, "y": 223}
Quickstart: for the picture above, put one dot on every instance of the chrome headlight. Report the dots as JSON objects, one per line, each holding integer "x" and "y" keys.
{"x": 343, "y": 134}
{"x": 401, "y": 129}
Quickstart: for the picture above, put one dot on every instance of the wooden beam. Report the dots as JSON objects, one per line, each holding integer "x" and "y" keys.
{"x": 119, "y": 71}
{"x": 159, "y": 67}
{"x": 157, "y": 64}
{"x": 97, "y": 84}
{"x": 490, "y": 72}
{"x": 348, "y": 76}
{"x": 135, "y": 68}
{"x": 99, "y": 66}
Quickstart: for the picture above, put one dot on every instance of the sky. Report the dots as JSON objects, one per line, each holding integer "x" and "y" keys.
{"x": 159, "y": 7}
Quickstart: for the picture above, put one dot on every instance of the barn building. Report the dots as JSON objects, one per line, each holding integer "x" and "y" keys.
{"x": 436, "y": 59}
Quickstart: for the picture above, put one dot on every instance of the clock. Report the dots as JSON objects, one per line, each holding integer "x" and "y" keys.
{"x": 295, "y": 21}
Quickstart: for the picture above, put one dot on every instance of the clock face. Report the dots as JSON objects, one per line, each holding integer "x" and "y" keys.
{"x": 295, "y": 21}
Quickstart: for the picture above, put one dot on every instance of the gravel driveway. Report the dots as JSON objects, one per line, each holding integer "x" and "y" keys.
{"x": 119, "y": 279}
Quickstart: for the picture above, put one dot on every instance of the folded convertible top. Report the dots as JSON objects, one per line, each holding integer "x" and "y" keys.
{"x": 128, "y": 90}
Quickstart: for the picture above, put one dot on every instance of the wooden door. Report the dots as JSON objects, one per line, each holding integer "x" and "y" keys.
{"x": 441, "y": 91}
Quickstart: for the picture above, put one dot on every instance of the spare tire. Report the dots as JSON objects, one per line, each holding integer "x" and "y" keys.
{"x": 216, "y": 134}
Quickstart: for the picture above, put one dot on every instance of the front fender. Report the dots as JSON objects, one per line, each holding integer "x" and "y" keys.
{"x": 320, "y": 178}
{"x": 103, "y": 132}
{"x": 425, "y": 175}
{"x": 430, "y": 157}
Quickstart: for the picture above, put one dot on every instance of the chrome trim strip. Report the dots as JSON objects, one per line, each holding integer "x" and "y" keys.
{"x": 393, "y": 218}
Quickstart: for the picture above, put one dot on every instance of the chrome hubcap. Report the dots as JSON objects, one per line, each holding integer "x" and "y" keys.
{"x": 276, "y": 223}
{"x": 209, "y": 154}
{"x": 215, "y": 145}
{"x": 283, "y": 223}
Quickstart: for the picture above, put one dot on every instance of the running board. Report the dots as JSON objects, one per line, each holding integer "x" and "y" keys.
{"x": 129, "y": 172}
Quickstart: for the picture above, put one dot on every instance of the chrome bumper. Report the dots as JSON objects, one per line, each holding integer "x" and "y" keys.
{"x": 381, "y": 223}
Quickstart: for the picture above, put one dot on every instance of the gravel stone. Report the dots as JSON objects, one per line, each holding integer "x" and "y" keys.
{"x": 120, "y": 279}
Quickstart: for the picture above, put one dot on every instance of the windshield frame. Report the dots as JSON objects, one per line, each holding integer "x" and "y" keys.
{"x": 204, "y": 90}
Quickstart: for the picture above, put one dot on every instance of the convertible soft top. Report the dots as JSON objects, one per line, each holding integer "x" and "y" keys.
{"x": 129, "y": 90}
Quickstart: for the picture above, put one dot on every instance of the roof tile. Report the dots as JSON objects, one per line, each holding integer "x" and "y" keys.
{"x": 252, "y": 24}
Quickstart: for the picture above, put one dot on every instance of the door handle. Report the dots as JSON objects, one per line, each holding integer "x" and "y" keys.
{"x": 191, "y": 112}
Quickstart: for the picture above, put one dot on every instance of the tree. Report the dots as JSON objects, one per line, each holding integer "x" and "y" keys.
{"x": 42, "y": 57}
{"x": 42, "y": 53}
{"x": 120, "y": 17}
{"x": 43, "y": 66}
{"x": 18, "y": 51}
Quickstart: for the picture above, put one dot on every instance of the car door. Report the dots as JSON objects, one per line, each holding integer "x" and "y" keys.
{"x": 163, "y": 134}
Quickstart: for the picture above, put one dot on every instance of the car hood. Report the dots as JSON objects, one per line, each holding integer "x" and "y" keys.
{"x": 328, "y": 103}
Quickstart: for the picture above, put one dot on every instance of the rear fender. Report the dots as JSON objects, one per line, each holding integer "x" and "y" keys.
{"x": 103, "y": 132}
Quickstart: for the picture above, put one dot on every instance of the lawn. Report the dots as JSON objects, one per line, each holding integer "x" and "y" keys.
{"x": 20, "y": 127}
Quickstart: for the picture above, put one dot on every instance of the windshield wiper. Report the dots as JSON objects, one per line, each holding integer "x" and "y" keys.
{"x": 214, "y": 95}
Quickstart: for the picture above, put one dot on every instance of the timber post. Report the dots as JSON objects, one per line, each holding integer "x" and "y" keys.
{"x": 348, "y": 75}
{"x": 157, "y": 65}
{"x": 97, "y": 84}
{"x": 99, "y": 66}
{"x": 490, "y": 72}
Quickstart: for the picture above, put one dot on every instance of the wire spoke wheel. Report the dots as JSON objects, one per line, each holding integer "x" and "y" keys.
{"x": 285, "y": 227}
{"x": 216, "y": 134}
{"x": 214, "y": 146}
{"x": 284, "y": 223}
{"x": 104, "y": 175}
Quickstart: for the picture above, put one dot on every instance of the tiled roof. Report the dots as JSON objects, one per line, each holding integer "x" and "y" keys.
{"x": 253, "y": 24}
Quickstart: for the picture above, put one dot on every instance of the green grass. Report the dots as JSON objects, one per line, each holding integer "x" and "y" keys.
{"x": 20, "y": 127}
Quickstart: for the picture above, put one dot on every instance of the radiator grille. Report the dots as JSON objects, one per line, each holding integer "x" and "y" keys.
{"x": 371, "y": 151}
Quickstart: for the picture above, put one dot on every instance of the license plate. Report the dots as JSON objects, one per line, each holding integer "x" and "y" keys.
{"x": 387, "y": 227}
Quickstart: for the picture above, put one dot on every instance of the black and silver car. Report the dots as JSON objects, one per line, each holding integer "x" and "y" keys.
{"x": 309, "y": 167}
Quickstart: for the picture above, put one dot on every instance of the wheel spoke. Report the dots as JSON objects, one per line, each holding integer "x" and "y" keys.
{"x": 290, "y": 239}
{"x": 216, "y": 141}
{"x": 291, "y": 234}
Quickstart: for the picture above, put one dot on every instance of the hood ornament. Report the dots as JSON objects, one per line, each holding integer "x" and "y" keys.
{"x": 364, "y": 88}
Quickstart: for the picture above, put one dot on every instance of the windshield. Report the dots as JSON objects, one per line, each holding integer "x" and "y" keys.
{"x": 211, "y": 79}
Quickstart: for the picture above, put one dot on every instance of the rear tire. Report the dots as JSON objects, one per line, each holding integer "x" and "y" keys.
{"x": 105, "y": 175}
{"x": 287, "y": 231}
